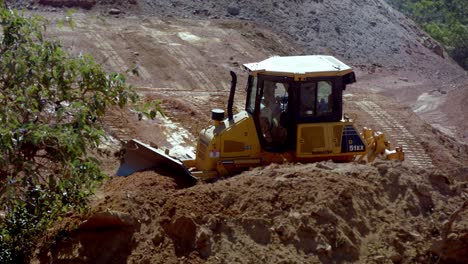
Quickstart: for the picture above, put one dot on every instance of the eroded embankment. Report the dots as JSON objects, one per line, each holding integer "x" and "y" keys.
{"x": 294, "y": 213}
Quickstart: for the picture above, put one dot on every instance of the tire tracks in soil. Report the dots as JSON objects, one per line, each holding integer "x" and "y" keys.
{"x": 414, "y": 151}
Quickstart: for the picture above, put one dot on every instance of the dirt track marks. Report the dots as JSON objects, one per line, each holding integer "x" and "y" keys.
{"x": 414, "y": 151}
{"x": 197, "y": 75}
{"x": 184, "y": 55}
{"x": 201, "y": 100}
{"x": 108, "y": 51}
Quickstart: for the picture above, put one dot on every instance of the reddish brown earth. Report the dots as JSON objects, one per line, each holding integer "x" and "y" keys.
{"x": 316, "y": 213}
{"x": 386, "y": 212}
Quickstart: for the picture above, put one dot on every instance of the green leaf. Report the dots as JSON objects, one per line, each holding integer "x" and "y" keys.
{"x": 50, "y": 104}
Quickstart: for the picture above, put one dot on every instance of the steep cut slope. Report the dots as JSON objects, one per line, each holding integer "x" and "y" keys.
{"x": 361, "y": 32}
{"x": 184, "y": 63}
{"x": 402, "y": 60}
{"x": 364, "y": 32}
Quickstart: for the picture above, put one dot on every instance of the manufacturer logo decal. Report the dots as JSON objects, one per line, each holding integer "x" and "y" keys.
{"x": 354, "y": 148}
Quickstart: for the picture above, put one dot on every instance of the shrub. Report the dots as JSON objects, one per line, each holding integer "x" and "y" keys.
{"x": 51, "y": 104}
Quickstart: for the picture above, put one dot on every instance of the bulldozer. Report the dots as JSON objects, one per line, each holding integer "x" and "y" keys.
{"x": 293, "y": 113}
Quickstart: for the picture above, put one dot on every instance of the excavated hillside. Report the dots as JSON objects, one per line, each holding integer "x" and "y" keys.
{"x": 364, "y": 32}
{"x": 181, "y": 52}
{"x": 402, "y": 60}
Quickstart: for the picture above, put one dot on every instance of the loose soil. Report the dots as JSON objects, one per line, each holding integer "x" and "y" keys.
{"x": 294, "y": 213}
{"x": 181, "y": 53}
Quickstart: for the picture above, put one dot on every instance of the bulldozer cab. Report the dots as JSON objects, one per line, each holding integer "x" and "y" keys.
{"x": 284, "y": 92}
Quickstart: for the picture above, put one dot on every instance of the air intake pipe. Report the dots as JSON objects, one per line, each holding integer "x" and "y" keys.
{"x": 231, "y": 95}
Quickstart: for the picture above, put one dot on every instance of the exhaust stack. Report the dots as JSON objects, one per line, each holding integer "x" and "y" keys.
{"x": 231, "y": 95}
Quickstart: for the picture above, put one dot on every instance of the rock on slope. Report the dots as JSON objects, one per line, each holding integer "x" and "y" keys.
{"x": 295, "y": 213}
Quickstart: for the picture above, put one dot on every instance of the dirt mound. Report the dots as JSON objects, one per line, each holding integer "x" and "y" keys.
{"x": 313, "y": 213}
{"x": 452, "y": 248}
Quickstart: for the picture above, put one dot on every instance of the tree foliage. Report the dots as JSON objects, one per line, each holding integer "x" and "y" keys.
{"x": 50, "y": 107}
{"x": 445, "y": 20}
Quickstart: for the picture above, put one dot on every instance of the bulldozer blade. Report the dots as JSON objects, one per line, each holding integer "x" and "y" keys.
{"x": 140, "y": 156}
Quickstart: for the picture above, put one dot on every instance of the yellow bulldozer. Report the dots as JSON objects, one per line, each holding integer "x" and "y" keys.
{"x": 293, "y": 113}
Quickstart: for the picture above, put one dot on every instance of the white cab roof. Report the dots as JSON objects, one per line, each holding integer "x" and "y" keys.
{"x": 300, "y": 66}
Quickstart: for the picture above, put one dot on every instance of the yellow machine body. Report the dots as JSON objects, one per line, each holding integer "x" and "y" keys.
{"x": 233, "y": 141}
{"x": 230, "y": 146}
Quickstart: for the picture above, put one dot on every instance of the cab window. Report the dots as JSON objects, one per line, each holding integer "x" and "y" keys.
{"x": 252, "y": 94}
{"x": 308, "y": 98}
{"x": 273, "y": 108}
{"x": 324, "y": 92}
{"x": 252, "y": 90}
{"x": 315, "y": 99}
